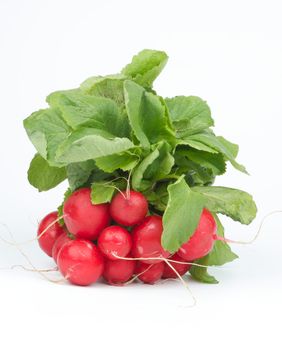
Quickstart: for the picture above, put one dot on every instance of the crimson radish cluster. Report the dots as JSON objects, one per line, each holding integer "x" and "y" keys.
{"x": 118, "y": 142}
{"x": 118, "y": 241}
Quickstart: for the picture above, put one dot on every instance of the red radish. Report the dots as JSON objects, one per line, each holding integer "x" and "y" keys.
{"x": 61, "y": 240}
{"x": 49, "y": 237}
{"x": 118, "y": 271}
{"x": 202, "y": 240}
{"x": 180, "y": 268}
{"x": 147, "y": 240}
{"x": 150, "y": 273}
{"x": 81, "y": 262}
{"x": 84, "y": 219}
{"x": 129, "y": 208}
{"x": 115, "y": 240}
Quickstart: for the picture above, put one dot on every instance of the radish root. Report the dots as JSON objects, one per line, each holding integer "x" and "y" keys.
{"x": 33, "y": 267}
{"x": 14, "y": 243}
{"x": 227, "y": 240}
{"x": 168, "y": 262}
{"x": 33, "y": 270}
{"x": 164, "y": 259}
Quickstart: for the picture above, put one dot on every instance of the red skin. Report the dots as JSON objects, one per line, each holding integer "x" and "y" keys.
{"x": 202, "y": 240}
{"x": 150, "y": 273}
{"x": 180, "y": 268}
{"x": 48, "y": 239}
{"x": 84, "y": 219}
{"x": 146, "y": 239}
{"x": 61, "y": 240}
{"x": 129, "y": 209}
{"x": 118, "y": 271}
{"x": 81, "y": 262}
{"x": 115, "y": 240}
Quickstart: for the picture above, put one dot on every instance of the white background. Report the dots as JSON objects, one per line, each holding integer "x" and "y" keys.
{"x": 227, "y": 52}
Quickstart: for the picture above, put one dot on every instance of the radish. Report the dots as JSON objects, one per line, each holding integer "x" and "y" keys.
{"x": 115, "y": 240}
{"x": 118, "y": 271}
{"x": 180, "y": 268}
{"x": 129, "y": 208}
{"x": 61, "y": 240}
{"x": 150, "y": 273}
{"x": 81, "y": 262}
{"x": 47, "y": 239}
{"x": 84, "y": 219}
{"x": 202, "y": 240}
{"x": 147, "y": 240}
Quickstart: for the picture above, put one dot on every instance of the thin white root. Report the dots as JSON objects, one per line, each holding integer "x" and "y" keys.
{"x": 117, "y": 178}
{"x": 185, "y": 284}
{"x": 111, "y": 184}
{"x": 136, "y": 276}
{"x": 164, "y": 280}
{"x": 168, "y": 262}
{"x": 227, "y": 240}
{"x": 116, "y": 188}
{"x": 14, "y": 243}
{"x": 33, "y": 268}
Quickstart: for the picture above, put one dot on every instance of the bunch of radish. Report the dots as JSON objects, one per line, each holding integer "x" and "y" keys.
{"x": 118, "y": 241}
{"x": 140, "y": 171}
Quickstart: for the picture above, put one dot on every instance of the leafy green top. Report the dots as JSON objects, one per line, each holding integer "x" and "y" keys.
{"x": 94, "y": 135}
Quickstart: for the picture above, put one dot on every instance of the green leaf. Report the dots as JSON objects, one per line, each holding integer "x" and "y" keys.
{"x": 99, "y": 175}
{"x": 199, "y": 176}
{"x": 79, "y": 173}
{"x": 213, "y": 161}
{"x": 161, "y": 166}
{"x": 158, "y": 197}
{"x": 195, "y": 173}
{"x": 181, "y": 216}
{"x": 232, "y": 148}
{"x": 102, "y": 192}
{"x": 125, "y": 161}
{"x": 138, "y": 183}
{"x": 220, "y": 255}
{"x": 153, "y": 167}
{"x": 85, "y": 144}
{"x": 189, "y": 114}
{"x": 47, "y": 130}
{"x": 80, "y": 110}
{"x": 196, "y": 145}
{"x": 147, "y": 115}
{"x": 146, "y": 66}
{"x": 200, "y": 274}
{"x": 110, "y": 86}
{"x": 219, "y": 144}
{"x": 43, "y": 176}
{"x": 237, "y": 204}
